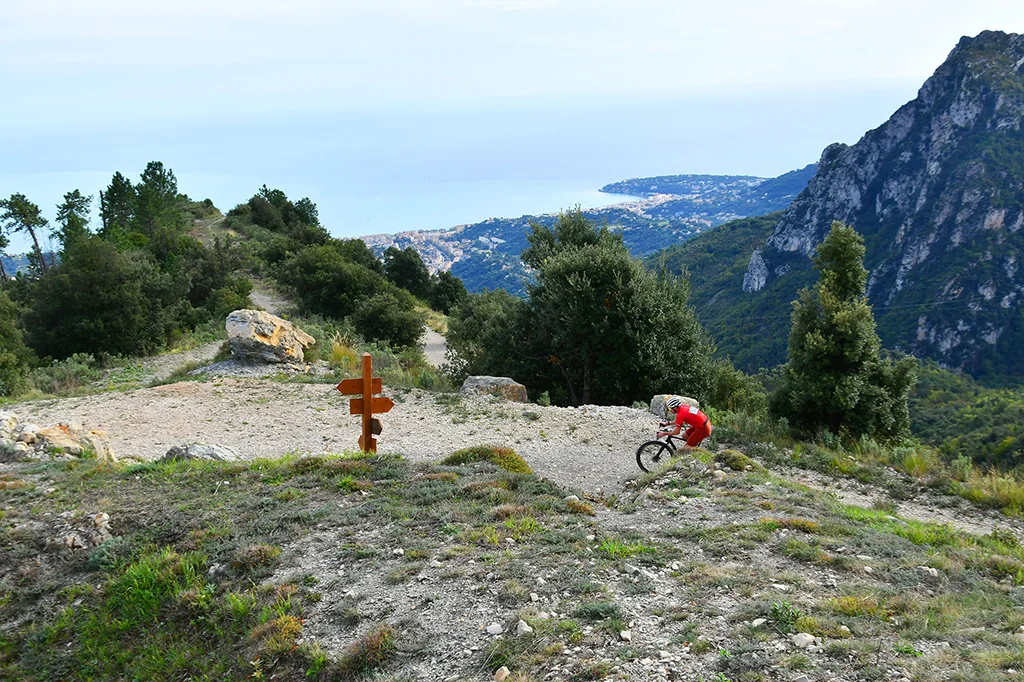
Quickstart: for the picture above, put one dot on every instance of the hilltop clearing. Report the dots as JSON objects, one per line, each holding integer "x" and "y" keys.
{"x": 330, "y": 568}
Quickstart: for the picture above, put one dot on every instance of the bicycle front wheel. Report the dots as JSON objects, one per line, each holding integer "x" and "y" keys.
{"x": 652, "y": 454}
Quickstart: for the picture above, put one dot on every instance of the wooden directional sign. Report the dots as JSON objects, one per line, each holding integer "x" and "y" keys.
{"x": 380, "y": 404}
{"x": 365, "y": 386}
{"x": 355, "y": 387}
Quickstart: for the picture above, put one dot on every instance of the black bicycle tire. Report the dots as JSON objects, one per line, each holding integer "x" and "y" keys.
{"x": 662, "y": 449}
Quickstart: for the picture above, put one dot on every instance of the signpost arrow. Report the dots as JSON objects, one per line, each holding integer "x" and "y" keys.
{"x": 355, "y": 386}
{"x": 379, "y": 404}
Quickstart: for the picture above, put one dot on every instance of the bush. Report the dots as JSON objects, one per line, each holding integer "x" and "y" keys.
{"x": 390, "y": 317}
{"x": 62, "y": 376}
{"x": 506, "y": 458}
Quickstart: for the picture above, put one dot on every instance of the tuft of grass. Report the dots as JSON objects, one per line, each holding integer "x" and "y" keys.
{"x": 623, "y": 549}
{"x": 784, "y": 615}
{"x": 255, "y": 557}
{"x": 598, "y": 610}
{"x": 504, "y": 457}
{"x": 803, "y": 525}
{"x": 580, "y": 507}
{"x": 370, "y": 652}
{"x": 737, "y": 461}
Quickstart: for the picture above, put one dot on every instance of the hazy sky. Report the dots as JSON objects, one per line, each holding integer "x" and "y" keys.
{"x": 75, "y": 63}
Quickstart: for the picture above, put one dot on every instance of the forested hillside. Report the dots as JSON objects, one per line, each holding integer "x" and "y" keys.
{"x": 937, "y": 191}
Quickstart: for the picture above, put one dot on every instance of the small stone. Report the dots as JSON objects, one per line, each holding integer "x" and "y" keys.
{"x": 758, "y": 622}
{"x": 1019, "y": 636}
{"x": 631, "y": 569}
{"x": 101, "y": 520}
{"x": 436, "y": 564}
{"x": 802, "y": 678}
{"x": 572, "y": 498}
{"x": 864, "y": 557}
{"x": 844, "y": 629}
{"x": 495, "y": 629}
{"x": 591, "y": 537}
{"x": 675, "y": 566}
{"x": 868, "y": 570}
{"x": 780, "y": 587}
{"x": 626, "y": 636}
{"x": 523, "y": 628}
{"x": 802, "y": 640}
{"x": 541, "y": 582}
{"x": 534, "y": 597}
{"x": 501, "y": 673}
{"x": 933, "y": 572}
{"x": 719, "y": 474}
{"x": 398, "y": 552}
{"x": 664, "y": 655}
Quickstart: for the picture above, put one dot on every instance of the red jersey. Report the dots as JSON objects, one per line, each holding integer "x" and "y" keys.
{"x": 691, "y": 416}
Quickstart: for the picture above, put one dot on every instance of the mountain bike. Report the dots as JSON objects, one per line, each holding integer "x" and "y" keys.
{"x": 651, "y": 454}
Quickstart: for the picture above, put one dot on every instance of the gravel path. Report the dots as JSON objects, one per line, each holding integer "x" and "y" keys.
{"x": 433, "y": 347}
{"x": 589, "y": 448}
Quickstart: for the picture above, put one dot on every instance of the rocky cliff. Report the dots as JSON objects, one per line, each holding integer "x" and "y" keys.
{"x": 938, "y": 193}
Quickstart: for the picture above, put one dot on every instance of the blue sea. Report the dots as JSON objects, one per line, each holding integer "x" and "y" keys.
{"x": 373, "y": 169}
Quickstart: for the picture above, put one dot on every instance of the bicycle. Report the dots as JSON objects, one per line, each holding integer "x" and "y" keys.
{"x": 650, "y": 453}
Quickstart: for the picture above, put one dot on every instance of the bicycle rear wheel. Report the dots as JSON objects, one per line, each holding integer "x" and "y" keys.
{"x": 652, "y": 454}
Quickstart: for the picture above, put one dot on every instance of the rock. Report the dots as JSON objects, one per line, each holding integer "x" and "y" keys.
{"x": 534, "y": 597}
{"x": 257, "y": 336}
{"x": 571, "y": 498}
{"x": 864, "y": 557}
{"x": 200, "y": 451}
{"x": 541, "y": 582}
{"x": 495, "y": 629}
{"x": 502, "y": 387}
{"x": 844, "y": 629}
{"x": 71, "y": 438}
{"x": 758, "y": 622}
{"x": 630, "y": 569}
{"x": 657, "y": 406}
{"x": 626, "y": 636}
{"x": 868, "y": 570}
{"x": 523, "y": 628}
{"x": 501, "y": 673}
{"x": 74, "y": 541}
{"x": 8, "y": 422}
{"x": 719, "y": 475}
{"x": 801, "y": 678}
{"x": 802, "y": 640}
{"x": 933, "y": 572}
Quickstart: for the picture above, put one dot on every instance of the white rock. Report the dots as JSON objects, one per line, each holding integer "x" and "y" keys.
{"x": 501, "y": 673}
{"x": 758, "y": 622}
{"x": 868, "y": 569}
{"x": 864, "y": 557}
{"x": 540, "y": 581}
{"x": 534, "y": 597}
{"x": 802, "y": 640}
{"x": 257, "y": 336}
{"x": 933, "y": 572}
{"x": 523, "y": 628}
{"x": 495, "y": 629}
{"x": 398, "y": 552}
{"x": 626, "y": 636}
{"x": 572, "y": 498}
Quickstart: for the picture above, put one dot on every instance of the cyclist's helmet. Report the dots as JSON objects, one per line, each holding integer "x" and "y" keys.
{"x": 673, "y": 403}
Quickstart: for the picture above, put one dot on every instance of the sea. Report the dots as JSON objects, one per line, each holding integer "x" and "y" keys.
{"x": 376, "y": 168}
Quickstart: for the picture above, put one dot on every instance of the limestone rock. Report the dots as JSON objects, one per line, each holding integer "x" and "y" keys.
{"x": 257, "y": 336}
{"x": 71, "y": 438}
{"x": 802, "y": 640}
{"x": 495, "y": 629}
{"x": 501, "y": 674}
{"x": 658, "y": 405}
{"x": 500, "y": 386}
{"x": 200, "y": 451}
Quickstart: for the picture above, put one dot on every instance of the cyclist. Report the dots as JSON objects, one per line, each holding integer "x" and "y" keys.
{"x": 698, "y": 426}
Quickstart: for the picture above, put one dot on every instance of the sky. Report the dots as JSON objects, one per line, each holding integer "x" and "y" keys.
{"x": 136, "y": 69}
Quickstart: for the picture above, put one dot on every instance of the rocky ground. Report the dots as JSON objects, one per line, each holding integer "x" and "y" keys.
{"x": 714, "y": 569}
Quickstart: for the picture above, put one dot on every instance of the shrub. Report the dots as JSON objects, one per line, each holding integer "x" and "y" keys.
{"x": 391, "y": 317}
{"x": 370, "y": 652}
{"x": 64, "y": 375}
{"x": 504, "y": 457}
{"x": 737, "y": 461}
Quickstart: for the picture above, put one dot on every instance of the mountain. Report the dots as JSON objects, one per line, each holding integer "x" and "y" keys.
{"x": 673, "y": 208}
{"x": 937, "y": 191}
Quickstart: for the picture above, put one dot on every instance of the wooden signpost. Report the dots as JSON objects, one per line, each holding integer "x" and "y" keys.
{"x": 367, "y": 404}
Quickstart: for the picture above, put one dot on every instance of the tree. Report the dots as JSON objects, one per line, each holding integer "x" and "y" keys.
{"x": 307, "y": 211}
{"x": 446, "y": 292}
{"x": 389, "y": 316}
{"x": 835, "y": 379}
{"x": 14, "y": 354}
{"x": 406, "y": 269}
{"x": 73, "y": 218}
{"x": 327, "y": 282}
{"x": 117, "y": 205}
{"x": 103, "y": 301}
{"x": 156, "y": 198}
{"x": 598, "y": 327}
{"x": 18, "y": 214}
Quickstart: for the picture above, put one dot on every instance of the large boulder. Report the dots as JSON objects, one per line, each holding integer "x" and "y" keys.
{"x": 499, "y": 386}
{"x": 69, "y": 438}
{"x": 200, "y": 451}
{"x": 659, "y": 409}
{"x": 258, "y": 336}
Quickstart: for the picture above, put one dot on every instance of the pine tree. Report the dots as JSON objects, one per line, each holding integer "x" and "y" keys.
{"x": 18, "y": 214}
{"x": 72, "y": 218}
{"x": 836, "y": 379}
{"x": 117, "y": 205}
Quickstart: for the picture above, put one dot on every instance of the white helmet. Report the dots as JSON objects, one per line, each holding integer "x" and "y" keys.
{"x": 673, "y": 403}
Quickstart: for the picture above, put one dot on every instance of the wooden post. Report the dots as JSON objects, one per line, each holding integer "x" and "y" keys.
{"x": 367, "y": 442}
{"x": 366, "y": 404}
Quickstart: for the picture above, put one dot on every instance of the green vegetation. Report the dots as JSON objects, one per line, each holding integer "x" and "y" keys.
{"x": 597, "y": 327}
{"x": 503, "y": 457}
{"x": 835, "y": 378}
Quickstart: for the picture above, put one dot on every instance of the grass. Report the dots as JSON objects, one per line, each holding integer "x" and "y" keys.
{"x": 501, "y": 456}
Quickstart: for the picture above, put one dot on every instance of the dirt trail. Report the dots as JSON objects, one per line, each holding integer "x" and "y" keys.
{"x": 433, "y": 347}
